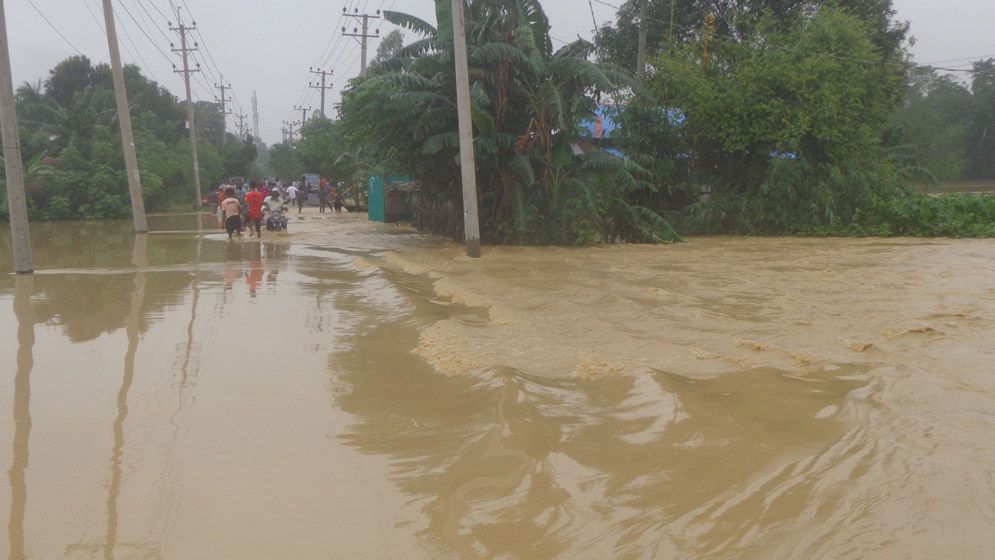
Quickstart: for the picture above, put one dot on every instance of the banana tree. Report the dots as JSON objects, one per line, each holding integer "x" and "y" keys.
{"x": 527, "y": 105}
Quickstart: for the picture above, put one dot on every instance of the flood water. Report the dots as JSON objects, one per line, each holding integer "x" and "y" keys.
{"x": 358, "y": 391}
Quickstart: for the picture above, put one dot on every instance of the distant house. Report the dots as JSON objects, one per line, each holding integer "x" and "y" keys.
{"x": 603, "y": 129}
{"x": 599, "y": 132}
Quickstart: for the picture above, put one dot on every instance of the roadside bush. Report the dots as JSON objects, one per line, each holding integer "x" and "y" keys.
{"x": 918, "y": 215}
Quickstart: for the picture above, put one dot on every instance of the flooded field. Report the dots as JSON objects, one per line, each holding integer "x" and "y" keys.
{"x": 357, "y": 391}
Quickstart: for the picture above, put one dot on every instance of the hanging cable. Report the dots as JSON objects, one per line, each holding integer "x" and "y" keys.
{"x": 54, "y": 28}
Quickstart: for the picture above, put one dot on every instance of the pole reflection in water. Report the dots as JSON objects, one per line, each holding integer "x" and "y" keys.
{"x": 23, "y": 288}
{"x": 134, "y": 336}
{"x": 195, "y": 288}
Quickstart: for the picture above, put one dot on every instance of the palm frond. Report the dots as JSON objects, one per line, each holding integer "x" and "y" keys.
{"x": 418, "y": 48}
{"x": 401, "y": 81}
{"x": 411, "y": 22}
{"x": 579, "y": 48}
{"x": 492, "y": 54}
{"x": 571, "y": 68}
{"x": 437, "y": 143}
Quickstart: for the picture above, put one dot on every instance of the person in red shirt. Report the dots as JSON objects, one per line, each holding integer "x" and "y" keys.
{"x": 254, "y": 202}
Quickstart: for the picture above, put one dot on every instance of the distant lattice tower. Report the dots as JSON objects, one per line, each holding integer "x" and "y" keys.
{"x": 255, "y": 114}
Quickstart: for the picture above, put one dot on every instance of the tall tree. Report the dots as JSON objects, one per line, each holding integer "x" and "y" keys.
{"x": 982, "y": 135}
{"x": 784, "y": 125}
{"x": 389, "y": 45}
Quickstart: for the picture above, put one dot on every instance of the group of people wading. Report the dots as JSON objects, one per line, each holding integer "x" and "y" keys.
{"x": 251, "y": 206}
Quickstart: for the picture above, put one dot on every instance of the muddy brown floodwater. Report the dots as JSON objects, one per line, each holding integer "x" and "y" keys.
{"x": 359, "y": 391}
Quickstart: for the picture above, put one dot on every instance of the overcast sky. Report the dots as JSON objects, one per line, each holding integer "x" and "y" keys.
{"x": 268, "y": 45}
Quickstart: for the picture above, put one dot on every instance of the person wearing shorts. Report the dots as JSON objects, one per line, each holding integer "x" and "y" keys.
{"x": 254, "y": 209}
{"x": 232, "y": 213}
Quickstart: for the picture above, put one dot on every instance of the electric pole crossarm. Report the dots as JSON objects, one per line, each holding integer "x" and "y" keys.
{"x": 223, "y": 100}
{"x": 324, "y": 86}
{"x": 303, "y": 111}
{"x": 185, "y": 50}
{"x": 363, "y": 35}
{"x": 241, "y": 124}
{"x": 290, "y": 129}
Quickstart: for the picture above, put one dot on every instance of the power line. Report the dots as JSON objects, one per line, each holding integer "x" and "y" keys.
{"x": 789, "y": 49}
{"x": 329, "y": 51}
{"x": 96, "y": 20}
{"x": 54, "y": 28}
{"x": 152, "y": 20}
{"x": 334, "y": 40}
{"x": 165, "y": 18}
{"x": 137, "y": 52}
{"x": 210, "y": 65}
{"x": 972, "y": 58}
{"x": 364, "y": 36}
{"x": 142, "y": 29}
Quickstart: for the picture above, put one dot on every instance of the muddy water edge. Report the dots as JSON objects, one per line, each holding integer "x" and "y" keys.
{"x": 355, "y": 391}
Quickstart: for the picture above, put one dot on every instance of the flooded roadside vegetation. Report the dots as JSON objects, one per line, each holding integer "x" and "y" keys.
{"x": 188, "y": 397}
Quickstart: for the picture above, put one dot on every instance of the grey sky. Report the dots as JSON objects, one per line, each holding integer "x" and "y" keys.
{"x": 268, "y": 45}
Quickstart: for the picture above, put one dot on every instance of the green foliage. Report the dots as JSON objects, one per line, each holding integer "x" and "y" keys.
{"x": 527, "y": 105}
{"x": 777, "y": 131}
{"x": 389, "y": 46}
{"x": 617, "y": 42}
{"x": 284, "y": 162}
{"x": 320, "y": 149}
{"x": 72, "y": 146}
{"x": 981, "y": 145}
{"x": 927, "y": 216}
{"x": 933, "y": 127}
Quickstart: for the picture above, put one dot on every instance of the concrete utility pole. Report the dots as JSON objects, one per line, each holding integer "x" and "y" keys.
{"x": 290, "y": 130}
{"x": 187, "y": 72}
{"x": 124, "y": 120}
{"x": 255, "y": 113}
{"x": 364, "y": 35}
{"x": 468, "y": 166}
{"x": 241, "y": 124}
{"x": 224, "y": 108}
{"x": 17, "y": 204}
{"x": 322, "y": 86}
{"x": 643, "y": 23}
{"x": 303, "y": 111}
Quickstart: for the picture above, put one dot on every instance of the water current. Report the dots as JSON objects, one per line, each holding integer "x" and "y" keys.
{"x": 354, "y": 390}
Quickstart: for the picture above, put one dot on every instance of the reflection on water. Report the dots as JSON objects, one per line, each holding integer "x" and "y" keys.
{"x": 139, "y": 259}
{"x": 23, "y": 289}
{"x": 720, "y": 399}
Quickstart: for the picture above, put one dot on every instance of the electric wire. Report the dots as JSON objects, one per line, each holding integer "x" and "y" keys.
{"x": 165, "y": 18}
{"x": 136, "y": 51}
{"x": 54, "y": 28}
{"x": 789, "y": 49}
{"x": 333, "y": 45}
{"x": 152, "y": 21}
{"x": 142, "y": 29}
